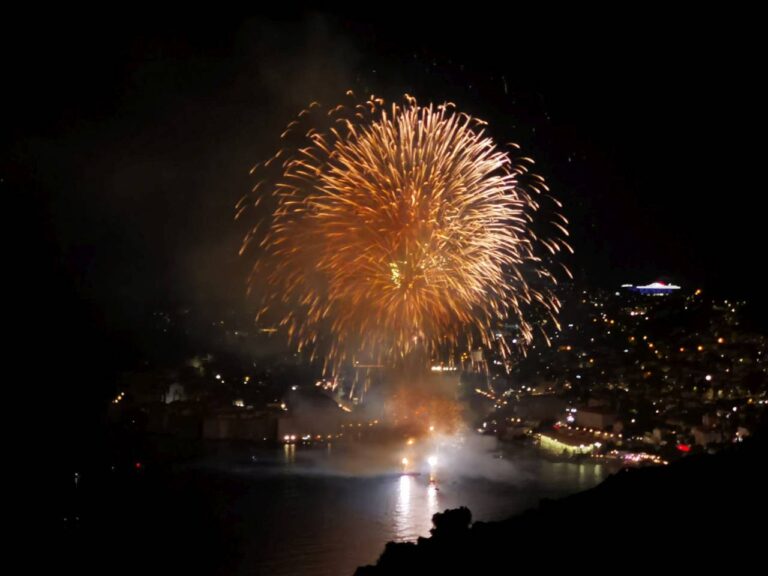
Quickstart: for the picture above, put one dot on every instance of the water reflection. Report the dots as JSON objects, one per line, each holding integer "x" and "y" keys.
{"x": 415, "y": 503}
{"x": 403, "y": 525}
{"x": 298, "y": 515}
{"x": 432, "y": 503}
{"x": 289, "y": 453}
{"x": 598, "y": 473}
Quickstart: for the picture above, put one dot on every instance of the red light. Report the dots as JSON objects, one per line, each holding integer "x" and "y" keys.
{"x": 684, "y": 447}
{"x": 138, "y": 465}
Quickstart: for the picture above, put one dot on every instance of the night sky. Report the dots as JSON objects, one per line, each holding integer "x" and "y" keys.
{"x": 128, "y": 141}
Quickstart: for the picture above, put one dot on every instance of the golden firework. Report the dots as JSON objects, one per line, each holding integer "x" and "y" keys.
{"x": 397, "y": 228}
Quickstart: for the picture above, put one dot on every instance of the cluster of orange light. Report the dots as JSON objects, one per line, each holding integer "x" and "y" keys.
{"x": 399, "y": 228}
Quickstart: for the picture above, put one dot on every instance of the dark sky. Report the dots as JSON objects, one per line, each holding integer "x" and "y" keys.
{"x": 129, "y": 141}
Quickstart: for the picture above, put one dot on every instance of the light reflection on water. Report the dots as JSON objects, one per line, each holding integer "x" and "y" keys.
{"x": 432, "y": 501}
{"x": 291, "y": 518}
{"x": 415, "y": 506}
{"x": 289, "y": 453}
{"x": 403, "y": 515}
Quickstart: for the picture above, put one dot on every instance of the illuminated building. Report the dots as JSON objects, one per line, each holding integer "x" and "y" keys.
{"x": 568, "y": 442}
{"x": 653, "y": 289}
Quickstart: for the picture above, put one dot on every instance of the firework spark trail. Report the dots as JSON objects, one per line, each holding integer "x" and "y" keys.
{"x": 398, "y": 227}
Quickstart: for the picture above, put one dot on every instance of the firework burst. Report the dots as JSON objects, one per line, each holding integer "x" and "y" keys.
{"x": 396, "y": 228}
